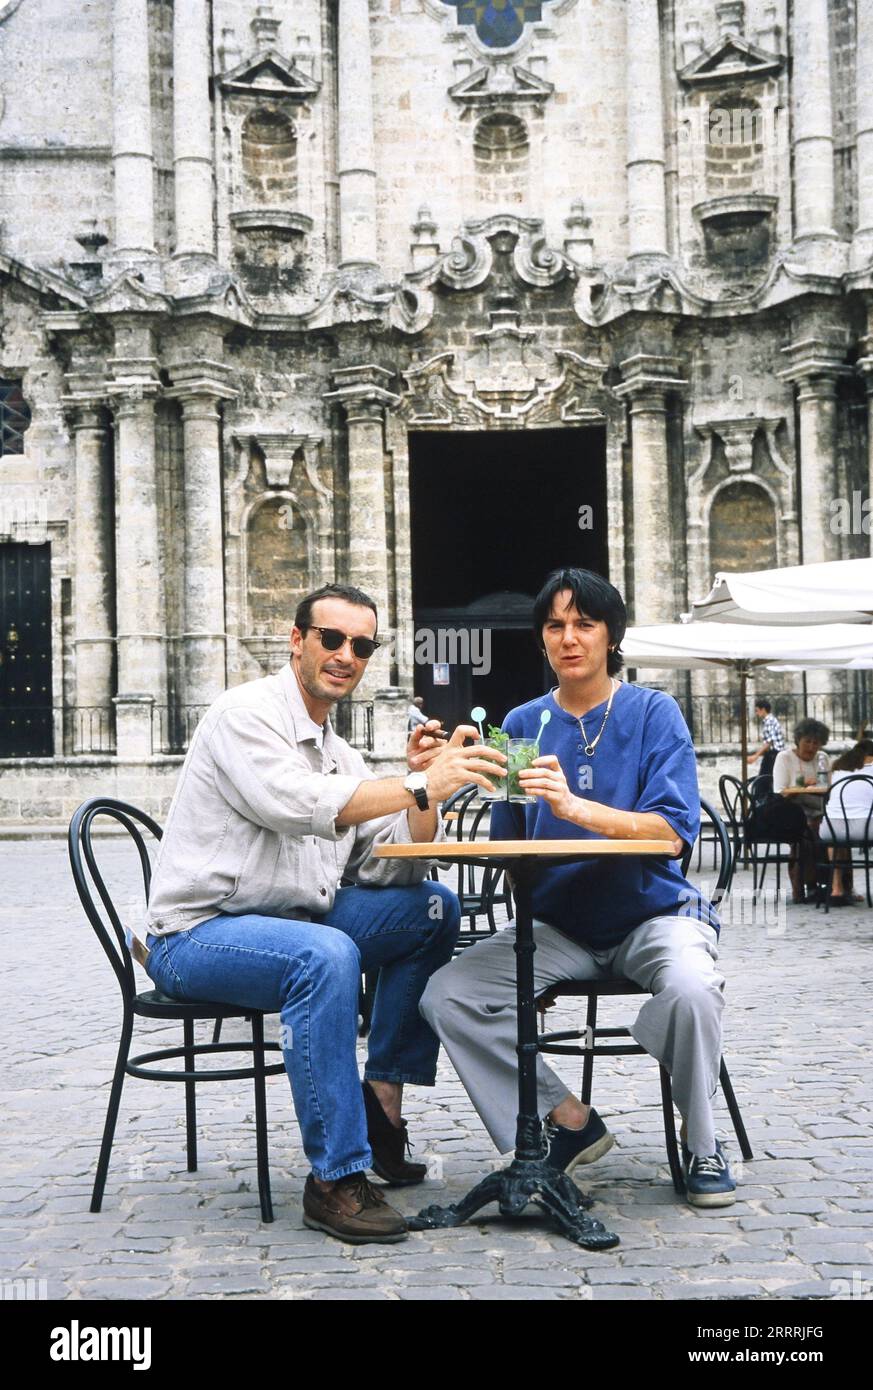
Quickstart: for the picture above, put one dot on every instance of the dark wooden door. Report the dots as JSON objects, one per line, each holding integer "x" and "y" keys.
{"x": 26, "y": 729}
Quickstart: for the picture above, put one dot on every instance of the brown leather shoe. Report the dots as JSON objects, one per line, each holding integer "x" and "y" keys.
{"x": 353, "y": 1210}
{"x": 389, "y": 1144}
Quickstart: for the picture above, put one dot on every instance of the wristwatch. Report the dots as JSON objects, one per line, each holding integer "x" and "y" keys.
{"x": 416, "y": 783}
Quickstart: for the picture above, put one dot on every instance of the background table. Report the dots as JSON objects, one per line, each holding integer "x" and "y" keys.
{"x": 529, "y": 1178}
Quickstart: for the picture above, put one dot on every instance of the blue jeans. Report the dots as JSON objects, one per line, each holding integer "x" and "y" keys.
{"x": 311, "y": 976}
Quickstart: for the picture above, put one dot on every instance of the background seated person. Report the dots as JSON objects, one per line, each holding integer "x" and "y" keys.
{"x": 849, "y": 815}
{"x": 795, "y": 776}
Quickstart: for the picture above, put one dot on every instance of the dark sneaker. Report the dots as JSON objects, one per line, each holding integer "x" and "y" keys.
{"x": 354, "y": 1211}
{"x": 389, "y": 1144}
{"x": 567, "y": 1147}
{"x": 708, "y": 1181}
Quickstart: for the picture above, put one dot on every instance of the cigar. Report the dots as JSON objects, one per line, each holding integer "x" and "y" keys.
{"x": 436, "y": 733}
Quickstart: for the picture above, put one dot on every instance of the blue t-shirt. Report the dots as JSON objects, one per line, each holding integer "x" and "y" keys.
{"x": 644, "y": 762}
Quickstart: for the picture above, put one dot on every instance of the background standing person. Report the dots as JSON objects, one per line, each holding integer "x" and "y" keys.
{"x": 773, "y": 736}
{"x": 415, "y": 713}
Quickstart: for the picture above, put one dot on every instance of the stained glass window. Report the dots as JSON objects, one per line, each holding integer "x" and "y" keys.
{"x": 14, "y": 417}
{"x": 498, "y": 23}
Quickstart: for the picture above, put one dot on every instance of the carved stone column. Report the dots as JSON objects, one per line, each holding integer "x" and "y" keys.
{"x": 355, "y": 142}
{"x": 812, "y": 114}
{"x": 647, "y": 380}
{"x": 93, "y": 597}
{"x": 363, "y": 393}
{"x": 646, "y": 199}
{"x": 865, "y": 366}
{"x": 132, "y": 153}
{"x": 192, "y": 133}
{"x": 816, "y": 365}
{"x": 199, "y": 387}
{"x": 862, "y": 243}
{"x": 139, "y": 606}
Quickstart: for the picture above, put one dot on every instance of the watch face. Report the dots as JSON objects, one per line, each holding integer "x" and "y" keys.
{"x": 417, "y": 781}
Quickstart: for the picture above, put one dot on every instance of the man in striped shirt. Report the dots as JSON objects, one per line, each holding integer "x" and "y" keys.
{"x": 773, "y": 735}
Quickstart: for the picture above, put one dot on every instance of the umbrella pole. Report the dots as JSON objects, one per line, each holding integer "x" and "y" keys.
{"x": 744, "y": 731}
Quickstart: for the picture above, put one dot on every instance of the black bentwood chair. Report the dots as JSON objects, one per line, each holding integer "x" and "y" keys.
{"x": 761, "y": 825}
{"x": 592, "y": 990}
{"x": 492, "y": 890}
{"x": 154, "y": 1004}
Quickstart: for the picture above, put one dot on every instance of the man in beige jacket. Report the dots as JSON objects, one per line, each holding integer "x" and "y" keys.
{"x": 271, "y": 811}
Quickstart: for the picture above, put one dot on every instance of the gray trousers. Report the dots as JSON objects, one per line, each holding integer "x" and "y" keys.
{"x": 471, "y": 1004}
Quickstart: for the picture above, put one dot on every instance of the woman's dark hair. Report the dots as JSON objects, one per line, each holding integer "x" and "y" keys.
{"x": 592, "y": 595}
{"x": 853, "y": 758}
{"x": 348, "y": 592}
{"x": 812, "y": 728}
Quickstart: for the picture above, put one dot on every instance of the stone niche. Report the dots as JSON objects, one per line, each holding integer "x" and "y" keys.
{"x": 278, "y": 570}
{"x": 742, "y": 528}
{"x": 267, "y": 120}
{"x": 731, "y": 153}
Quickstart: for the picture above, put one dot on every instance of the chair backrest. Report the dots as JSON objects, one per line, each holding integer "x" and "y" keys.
{"x": 724, "y": 852}
{"x": 835, "y": 818}
{"x": 469, "y": 816}
{"x": 493, "y": 888}
{"x": 760, "y": 788}
{"x": 734, "y": 799}
{"x": 86, "y": 875}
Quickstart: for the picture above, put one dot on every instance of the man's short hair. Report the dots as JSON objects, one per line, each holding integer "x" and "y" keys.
{"x": 763, "y": 704}
{"x": 812, "y": 728}
{"x": 347, "y": 592}
{"x": 593, "y": 595}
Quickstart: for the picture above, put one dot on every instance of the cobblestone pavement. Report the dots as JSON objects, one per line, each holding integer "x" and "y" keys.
{"x": 797, "y": 1043}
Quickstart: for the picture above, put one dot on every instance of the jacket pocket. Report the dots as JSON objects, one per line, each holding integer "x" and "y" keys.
{"x": 253, "y": 888}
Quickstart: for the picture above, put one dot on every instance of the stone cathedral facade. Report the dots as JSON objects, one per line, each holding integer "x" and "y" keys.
{"x": 425, "y": 295}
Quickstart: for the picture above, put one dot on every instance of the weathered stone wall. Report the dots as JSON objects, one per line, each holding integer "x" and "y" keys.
{"x": 603, "y": 225}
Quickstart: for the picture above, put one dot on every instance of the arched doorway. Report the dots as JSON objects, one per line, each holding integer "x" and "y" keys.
{"x": 492, "y": 512}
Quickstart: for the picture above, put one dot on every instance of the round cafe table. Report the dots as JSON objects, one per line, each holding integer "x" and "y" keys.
{"x": 528, "y": 1178}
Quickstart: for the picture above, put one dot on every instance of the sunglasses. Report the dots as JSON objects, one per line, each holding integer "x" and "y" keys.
{"x": 332, "y": 639}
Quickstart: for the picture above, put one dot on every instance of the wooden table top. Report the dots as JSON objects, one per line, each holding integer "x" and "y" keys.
{"x": 523, "y": 849}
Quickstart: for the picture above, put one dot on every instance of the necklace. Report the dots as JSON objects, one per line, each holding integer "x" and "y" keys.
{"x": 591, "y": 745}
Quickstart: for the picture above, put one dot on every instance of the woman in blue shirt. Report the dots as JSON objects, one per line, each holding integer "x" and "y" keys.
{"x": 616, "y": 760}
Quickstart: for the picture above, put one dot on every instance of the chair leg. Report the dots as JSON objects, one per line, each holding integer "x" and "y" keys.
{"x": 112, "y": 1114}
{"x": 261, "y": 1117}
{"x": 588, "y": 1060}
{"x": 670, "y": 1133}
{"x": 190, "y": 1097}
{"x": 736, "y": 1117}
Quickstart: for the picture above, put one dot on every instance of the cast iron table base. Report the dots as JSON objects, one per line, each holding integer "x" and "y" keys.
{"x": 528, "y": 1179}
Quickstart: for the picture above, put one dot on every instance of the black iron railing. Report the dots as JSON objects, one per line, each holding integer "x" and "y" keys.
{"x": 45, "y": 731}
{"x": 173, "y": 726}
{"x": 716, "y": 719}
{"x": 353, "y": 721}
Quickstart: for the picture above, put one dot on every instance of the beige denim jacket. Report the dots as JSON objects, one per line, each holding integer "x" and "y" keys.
{"x": 252, "y": 826}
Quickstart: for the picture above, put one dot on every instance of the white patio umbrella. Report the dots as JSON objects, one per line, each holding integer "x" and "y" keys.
{"x": 839, "y": 591}
{"x": 741, "y": 647}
